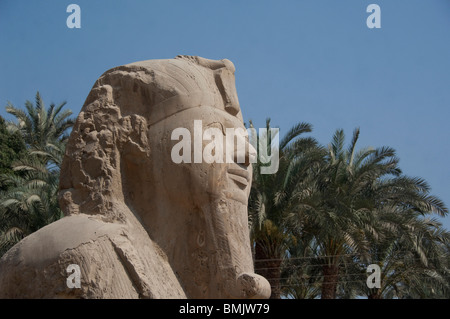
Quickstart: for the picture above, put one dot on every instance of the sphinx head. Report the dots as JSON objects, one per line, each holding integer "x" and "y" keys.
{"x": 119, "y": 166}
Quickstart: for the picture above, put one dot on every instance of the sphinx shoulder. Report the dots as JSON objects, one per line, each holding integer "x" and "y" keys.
{"x": 104, "y": 254}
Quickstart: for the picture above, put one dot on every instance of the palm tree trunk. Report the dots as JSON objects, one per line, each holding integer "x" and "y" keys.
{"x": 270, "y": 268}
{"x": 330, "y": 280}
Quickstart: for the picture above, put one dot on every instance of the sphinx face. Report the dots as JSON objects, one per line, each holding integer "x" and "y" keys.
{"x": 202, "y": 220}
{"x": 196, "y": 209}
{"x": 209, "y": 168}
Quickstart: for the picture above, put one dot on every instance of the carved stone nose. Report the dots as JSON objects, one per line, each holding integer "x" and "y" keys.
{"x": 253, "y": 286}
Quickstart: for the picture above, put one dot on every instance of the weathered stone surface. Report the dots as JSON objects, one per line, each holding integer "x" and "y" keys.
{"x": 138, "y": 224}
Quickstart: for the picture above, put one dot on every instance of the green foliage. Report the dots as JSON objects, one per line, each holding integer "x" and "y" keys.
{"x": 333, "y": 211}
{"x": 39, "y": 126}
{"x": 29, "y": 200}
{"x": 270, "y": 198}
{"x": 12, "y": 148}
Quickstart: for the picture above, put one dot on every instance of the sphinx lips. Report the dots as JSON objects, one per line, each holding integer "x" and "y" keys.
{"x": 240, "y": 176}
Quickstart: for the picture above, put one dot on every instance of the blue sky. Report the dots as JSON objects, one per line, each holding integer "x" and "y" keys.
{"x": 314, "y": 61}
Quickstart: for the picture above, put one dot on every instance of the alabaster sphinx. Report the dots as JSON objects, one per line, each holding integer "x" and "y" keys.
{"x": 137, "y": 224}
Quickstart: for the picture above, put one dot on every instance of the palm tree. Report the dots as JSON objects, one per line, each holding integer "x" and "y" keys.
{"x": 339, "y": 206}
{"x": 30, "y": 201}
{"x": 12, "y": 148}
{"x": 270, "y": 195}
{"x": 412, "y": 257}
{"x": 40, "y": 127}
{"x": 300, "y": 275}
{"x": 410, "y": 248}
